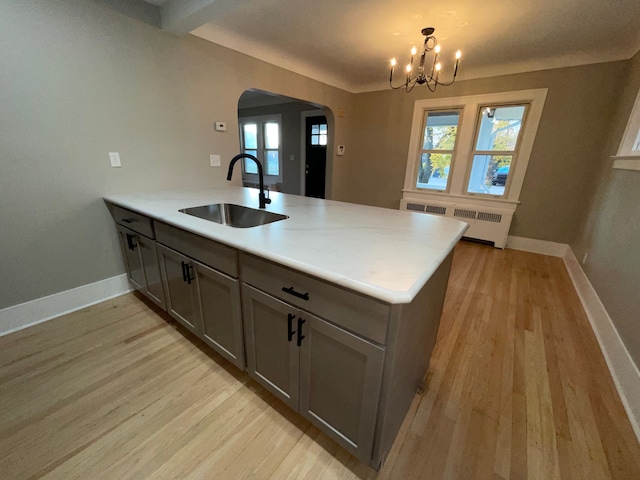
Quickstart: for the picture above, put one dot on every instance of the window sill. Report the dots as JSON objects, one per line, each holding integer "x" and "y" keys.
{"x": 469, "y": 198}
{"x": 626, "y": 162}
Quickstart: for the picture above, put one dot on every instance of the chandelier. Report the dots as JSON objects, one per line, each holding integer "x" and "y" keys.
{"x": 424, "y": 74}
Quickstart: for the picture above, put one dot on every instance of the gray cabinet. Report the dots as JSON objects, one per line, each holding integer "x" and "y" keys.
{"x": 205, "y": 301}
{"x": 141, "y": 263}
{"x": 328, "y": 374}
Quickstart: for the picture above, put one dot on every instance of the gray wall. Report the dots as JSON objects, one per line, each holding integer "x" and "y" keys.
{"x": 79, "y": 80}
{"x": 563, "y": 165}
{"x": 291, "y": 138}
{"x": 611, "y": 237}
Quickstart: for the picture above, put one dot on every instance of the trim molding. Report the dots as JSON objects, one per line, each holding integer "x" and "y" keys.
{"x": 537, "y": 246}
{"x": 40, "y": 310}
{"x": 626, "y": 163}
{"x": 624, "y": 371}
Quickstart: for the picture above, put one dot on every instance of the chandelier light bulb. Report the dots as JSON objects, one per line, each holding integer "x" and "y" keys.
{"x": 437, "y": 49}
{"x": 438, "y": 67}
{"x": 393, "y": 62}
{"x": 458, "y": 55}
{"x": 414, "y": 50}
{"x": 408, "y": 68}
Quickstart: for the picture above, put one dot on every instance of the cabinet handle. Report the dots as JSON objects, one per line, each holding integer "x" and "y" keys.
{"x": 188, "y": 268}
{"x": 290, "y": 318}
{"x": 184, "y": 271}
{"x": 130, "y": 244}
{"x": 128, "y": 220}
{"x": 300, "y": 336}
{"x": 291, "y": 291}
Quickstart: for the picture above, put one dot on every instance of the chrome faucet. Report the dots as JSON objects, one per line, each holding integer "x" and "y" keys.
{"x": 263, "y": 200}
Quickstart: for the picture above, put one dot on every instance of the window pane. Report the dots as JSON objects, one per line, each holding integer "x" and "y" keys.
{"x": 434, "y": 171}
{"x": 636, "y": 144}
{"x": 249, "y": 165}
{"x": 250, "y": 135}
{"x": 315, "y": 129}
{"x": 440, "y": 130}
{"x": 315, "y": 139}
{"x": 271, "y": 137}
{"x": 489, "y": 174}
{"x": 323, "y": 139}
{"x": 499, "y": 128}
{"x": 323, "y": 128}
{"x": 273, "y": 166}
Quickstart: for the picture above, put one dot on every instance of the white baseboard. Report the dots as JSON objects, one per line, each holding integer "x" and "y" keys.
{"x": 624, "y": 371}
{"x": 537, "y": 246}
{"x": 42, "y": 309}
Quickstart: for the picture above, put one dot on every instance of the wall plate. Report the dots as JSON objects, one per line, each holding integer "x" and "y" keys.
{"x": 221, "y": 126}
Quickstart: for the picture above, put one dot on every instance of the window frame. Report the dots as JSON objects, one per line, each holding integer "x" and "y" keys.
{"x": 513, "y": 153}
{"x": 421, "y": 151}
{"x": 627, "y": 158}
{"x": 261, "y": 121}
{"x": 461, "y": 164}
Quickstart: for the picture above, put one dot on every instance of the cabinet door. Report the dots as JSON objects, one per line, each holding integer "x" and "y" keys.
{"x": 340, "y": 377}
{"x": 272, "y": 353}
{"x": 152, "y": 276}
{"x": 132, "y": 257}
{"x": 221, "y": 316}
{"x": 181, "y": 293}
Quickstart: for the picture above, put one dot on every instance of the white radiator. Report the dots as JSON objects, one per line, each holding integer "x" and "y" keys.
{"x": 488, "y": 224}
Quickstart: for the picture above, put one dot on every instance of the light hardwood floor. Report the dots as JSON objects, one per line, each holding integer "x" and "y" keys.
{"x": 517, "y": 389}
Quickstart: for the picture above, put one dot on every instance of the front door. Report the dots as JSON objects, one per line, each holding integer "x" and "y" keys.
{"x": 316, "y": 156}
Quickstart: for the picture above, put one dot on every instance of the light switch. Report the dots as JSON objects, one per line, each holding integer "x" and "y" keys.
{"x": 221, "y": 126}
{"x": 114, "y": 158}
{"x": 214, "y": 160}
{"x": 340, "y": 150}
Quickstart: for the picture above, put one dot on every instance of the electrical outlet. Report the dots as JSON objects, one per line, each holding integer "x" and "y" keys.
{"x": 114, "y": 158}
{"x": 214, "y": 160}
{"x": 340, "y": 150}
{"x": 221, "y": 126}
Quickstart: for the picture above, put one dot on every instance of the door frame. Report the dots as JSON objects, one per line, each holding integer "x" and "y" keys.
{"x": 303, "y": 147}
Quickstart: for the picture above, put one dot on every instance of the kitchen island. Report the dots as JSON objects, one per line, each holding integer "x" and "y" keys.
{"x": 335, "y": 309}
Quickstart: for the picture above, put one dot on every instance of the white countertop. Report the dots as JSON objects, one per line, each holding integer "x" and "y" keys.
{"x": 386, "y": 254}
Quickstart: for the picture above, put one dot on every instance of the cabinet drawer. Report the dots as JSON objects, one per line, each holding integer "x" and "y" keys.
{"x": 209, "y": 252}
{"x": 350, "y": 310}
{"x": 132, "y": 220}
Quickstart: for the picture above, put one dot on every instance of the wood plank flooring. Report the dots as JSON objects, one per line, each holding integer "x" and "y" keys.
{"x": 517, "y": 389}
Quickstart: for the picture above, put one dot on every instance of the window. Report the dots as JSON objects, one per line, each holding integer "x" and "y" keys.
{"x": 472, "y": 149}
{"x": 319, "y": 134}
{"x": 440, "y": 130}
{"x": 497, "y": 134}
{"x": 260, "y": 137}
{"x": 628, "y": 157}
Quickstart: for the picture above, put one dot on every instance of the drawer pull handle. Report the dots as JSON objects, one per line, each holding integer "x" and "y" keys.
{"x": 291, "y": 291}
{"x": 130, "y": 244}
{"x": 292, "y": 332}
{"x": 300, "y": 336}
{"x": 128, "y": 220}
{"x": 186, "y": 272}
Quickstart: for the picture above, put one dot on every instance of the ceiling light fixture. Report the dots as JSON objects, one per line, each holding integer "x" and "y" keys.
{"x": 430, "y": 78}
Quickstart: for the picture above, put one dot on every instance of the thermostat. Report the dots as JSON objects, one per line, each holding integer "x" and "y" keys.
{"x": 221, "y": 126}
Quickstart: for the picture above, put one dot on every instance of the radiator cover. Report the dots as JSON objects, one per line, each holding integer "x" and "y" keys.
{"x": 487, "y": 224}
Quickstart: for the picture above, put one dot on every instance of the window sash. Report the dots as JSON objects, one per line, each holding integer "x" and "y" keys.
{"x": 436, "y": 151}
{"x": 474, "y": 153}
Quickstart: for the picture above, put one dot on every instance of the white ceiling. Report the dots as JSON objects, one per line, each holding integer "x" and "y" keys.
{"x": 348, "y": 43}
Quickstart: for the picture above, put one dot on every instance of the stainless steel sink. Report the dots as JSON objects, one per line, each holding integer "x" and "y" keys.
{"x": 234, "y": 215}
